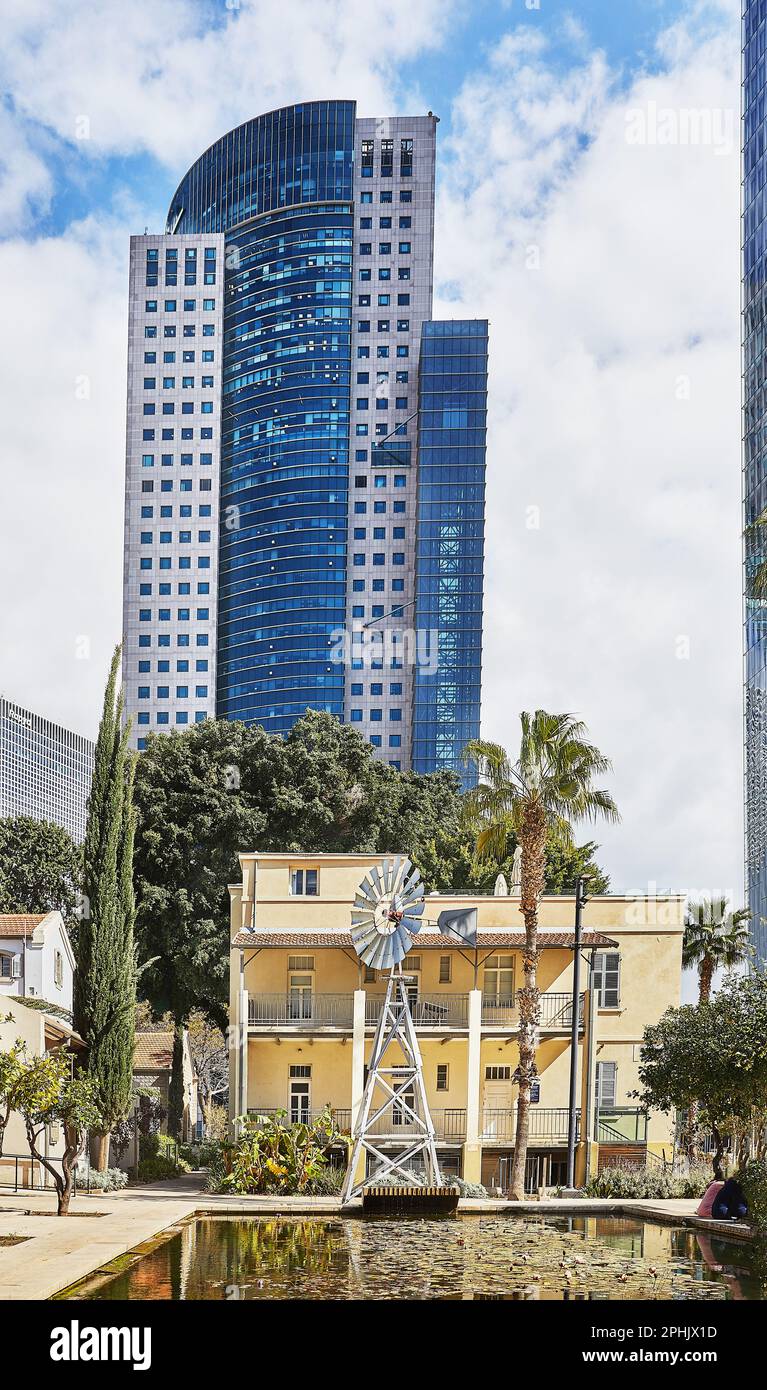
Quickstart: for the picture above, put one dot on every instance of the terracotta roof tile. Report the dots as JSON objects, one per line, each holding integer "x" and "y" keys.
{"x": 153, "y": 1052}
{"x": 431, "y": 941}
{"x": 20, "y": 923}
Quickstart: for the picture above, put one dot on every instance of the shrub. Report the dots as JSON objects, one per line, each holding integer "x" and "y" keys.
{"x": 328, "y": 1183}
{"x": 111, "y": 1180}
{"x": 271, "y": 1155}
{"x": 753, "y": 1180}
{"x": 203, "y": 1155}
{"x": 648, "y": 1183}
{"x": 469, "y": 1189}
{"x": 158, "y": 1159}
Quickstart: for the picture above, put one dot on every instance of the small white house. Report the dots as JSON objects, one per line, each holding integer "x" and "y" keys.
{"x": 36, "y": 958}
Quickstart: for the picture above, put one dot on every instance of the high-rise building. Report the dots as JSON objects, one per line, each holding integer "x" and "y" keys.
{"x": 285, "y": 548}
{"x": 45, "y": 770}
{"x": 754, "y": 302}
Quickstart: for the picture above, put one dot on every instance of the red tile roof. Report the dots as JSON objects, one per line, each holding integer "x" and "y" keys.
{"x": 20, "y": 923}
{"x": 153, "y": 1052}
{"x": 431, "y": 942}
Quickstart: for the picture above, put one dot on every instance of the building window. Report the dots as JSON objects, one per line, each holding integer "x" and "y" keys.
{"x": 497, "y": 1073}
{"x": 58, "y": 969}
{"x": 443, "y": 1076}
{"x": 498, "y": 981}
{"x": 304, "y": 883}
{"x": 606, "y": 979}
{"x": 370, "y": 975}
{"x": 445, "y": 969}
{"x": 607, "y": 1078}
{"x": 7, "y": 971}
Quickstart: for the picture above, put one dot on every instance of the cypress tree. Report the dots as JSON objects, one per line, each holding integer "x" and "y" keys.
{"x": 105, "y": 982}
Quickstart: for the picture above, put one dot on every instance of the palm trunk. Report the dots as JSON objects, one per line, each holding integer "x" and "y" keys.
{"x": 706, "y": 976}
{"x": 533, "y": 842}
{"x": 100, "y": 1151}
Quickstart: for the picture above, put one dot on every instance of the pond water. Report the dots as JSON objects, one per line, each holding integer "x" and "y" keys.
{"x": 463, "y": 1257}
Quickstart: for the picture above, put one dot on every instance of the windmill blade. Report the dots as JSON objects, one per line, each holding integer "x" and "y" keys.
{"x": 412, "y": 923}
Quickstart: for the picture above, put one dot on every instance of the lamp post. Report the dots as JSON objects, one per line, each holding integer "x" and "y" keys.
{"x": 572, "y": 1123}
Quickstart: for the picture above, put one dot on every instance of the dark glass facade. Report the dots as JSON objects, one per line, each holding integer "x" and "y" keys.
{"x": 280, "y": 187}
{"x": 754, "y": 299}
{"x": 450, "y": 540}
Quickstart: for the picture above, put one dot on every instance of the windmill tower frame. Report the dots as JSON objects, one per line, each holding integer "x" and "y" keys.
{"x": 402, "y": 1104}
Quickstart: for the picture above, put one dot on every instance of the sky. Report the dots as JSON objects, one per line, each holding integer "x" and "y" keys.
{"x": 587, "y": 204}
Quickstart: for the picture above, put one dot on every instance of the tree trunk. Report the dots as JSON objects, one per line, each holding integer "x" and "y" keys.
{"x": 706, "y": 976}
{"x": 533, "y": 842}
{"x": 100, "y": 1151}
{"x": 717, "y": 1155}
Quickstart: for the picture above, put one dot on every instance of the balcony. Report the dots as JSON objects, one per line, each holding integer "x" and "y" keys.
{"x": 547, "y": 1126}
{"x": 302, "y": 1011}
{"x": 428, "y": 1010}
{"x": 449, "y": 1125}
{"x": 556, "y": 1013}
{"x": 623, "y": 1124}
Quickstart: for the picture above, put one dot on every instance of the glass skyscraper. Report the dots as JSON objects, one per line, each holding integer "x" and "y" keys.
{"x": 754, "y": 304}
{"x": 275, "y": 429}
{"x": 45, "y": 770}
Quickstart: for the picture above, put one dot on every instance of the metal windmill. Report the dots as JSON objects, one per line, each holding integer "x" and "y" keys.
{"x": 394, "y": 1126}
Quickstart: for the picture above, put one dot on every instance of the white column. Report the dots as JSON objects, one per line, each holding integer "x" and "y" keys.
{"x": 358, "y": 1067}
{"x": 472, "y": 1149}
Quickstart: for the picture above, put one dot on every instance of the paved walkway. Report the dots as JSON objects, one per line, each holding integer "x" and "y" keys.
{"x": 101, "y": 1227}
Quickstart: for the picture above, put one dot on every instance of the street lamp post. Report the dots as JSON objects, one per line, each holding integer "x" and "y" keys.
{"x": 572, "y": 1124}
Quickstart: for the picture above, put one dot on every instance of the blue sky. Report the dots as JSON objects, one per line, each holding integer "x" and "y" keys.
{"x": 609, "y": 270}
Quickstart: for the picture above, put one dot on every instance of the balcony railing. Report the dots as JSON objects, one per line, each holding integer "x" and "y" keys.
{"x": 547, "y": 1126}
{"x": 428, "y": 1010}
{"x": 623, "y": 1124}
{"x": 449, "y": 1125}
{"x": 556, "y": 1012}
{"x": 300, "y": 1010}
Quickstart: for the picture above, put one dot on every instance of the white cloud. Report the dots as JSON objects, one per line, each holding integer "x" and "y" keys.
{"x": 592, "y": 359}
{"x": 637, "y": 290}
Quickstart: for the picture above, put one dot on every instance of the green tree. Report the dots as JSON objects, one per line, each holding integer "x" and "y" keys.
{"x": 12, "y": 1065}
{"x": 49, "y": 1094}
{"x": 538, "y": 797}
{"x": 105, "y": 981}
{"x": 40, "y": 868}
{"x": 449, "y": 864}
{"x": 219, "y": 788}
{"x": 715, "y": 938}
{"x": 712, "y": 1055}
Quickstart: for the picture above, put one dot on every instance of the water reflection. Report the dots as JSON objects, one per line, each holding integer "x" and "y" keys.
{"x": 468, "y": 1257}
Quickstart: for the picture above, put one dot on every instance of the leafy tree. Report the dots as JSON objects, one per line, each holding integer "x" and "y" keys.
{"x": 105, "y": 981}
{"x": 715, "y": 938}
{"x": 712, "y": 1055}
{"x": 40, "y": 868}
{"x": 207, "y": 793}
{"x": 449, "y": 864}
{"x": 49, "y": 1094}
{"x": 12, "y": 1064}
{"x": 211, "y": 1062}
{"x": 538, "y": 797}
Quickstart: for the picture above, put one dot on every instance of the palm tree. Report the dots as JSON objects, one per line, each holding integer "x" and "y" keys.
{"x": 543, "y": 793}
{"x": 714, "y": 938}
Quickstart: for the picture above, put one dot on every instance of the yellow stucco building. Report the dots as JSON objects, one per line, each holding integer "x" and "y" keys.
{"x": 303, "y": 1010}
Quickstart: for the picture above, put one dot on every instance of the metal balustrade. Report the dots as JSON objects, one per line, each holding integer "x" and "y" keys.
{"x": 556, "y": 1012}
{"x": 547, "y": 1126}
{"x": 304, "y": 1010}
{"x": 428, "y": 1010}
{"x": 300, "y": 1010}
{"x": 623, "y": 1124}
{"x": 449, "y": 1125}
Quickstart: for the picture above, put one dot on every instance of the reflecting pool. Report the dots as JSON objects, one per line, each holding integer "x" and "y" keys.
{"x": 463, "y": 1257}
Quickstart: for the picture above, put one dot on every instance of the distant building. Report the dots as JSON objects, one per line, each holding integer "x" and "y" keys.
{"x": 45, "y": 770}
{"x": 152, "y": 1066}
{"x": 36, "y": 959}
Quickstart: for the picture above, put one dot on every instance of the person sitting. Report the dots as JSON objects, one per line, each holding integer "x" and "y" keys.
{"x": 730, "y": 1203}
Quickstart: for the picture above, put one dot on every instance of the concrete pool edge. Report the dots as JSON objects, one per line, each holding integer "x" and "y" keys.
{"x": 67, "y": 1251}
